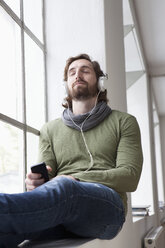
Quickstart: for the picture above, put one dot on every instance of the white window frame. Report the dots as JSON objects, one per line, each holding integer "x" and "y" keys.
{"x": 42, "y": 45}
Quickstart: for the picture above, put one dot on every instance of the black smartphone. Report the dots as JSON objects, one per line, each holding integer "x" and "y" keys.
{"x": 41, "y": 168}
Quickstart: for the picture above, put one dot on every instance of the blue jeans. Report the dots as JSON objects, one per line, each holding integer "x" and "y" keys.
{"x": 60, "y": 208}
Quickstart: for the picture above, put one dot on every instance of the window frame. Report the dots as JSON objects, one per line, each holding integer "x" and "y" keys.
{"x": 42, "y": 45}
{"x": 131, "y": 78}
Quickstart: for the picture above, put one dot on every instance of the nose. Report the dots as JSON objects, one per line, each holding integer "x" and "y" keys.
{"x": 78, "y": 74}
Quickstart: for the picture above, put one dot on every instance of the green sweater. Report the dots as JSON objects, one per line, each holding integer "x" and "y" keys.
{"x": 115, "y": 145}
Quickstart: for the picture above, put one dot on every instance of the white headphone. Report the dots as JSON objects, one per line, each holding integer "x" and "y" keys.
{"x": 101, "y": 83}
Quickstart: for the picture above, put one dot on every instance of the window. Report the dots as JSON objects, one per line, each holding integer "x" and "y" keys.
{"x": 137, "y": 105}
{"x": 159, "y": 166}
{"x": 23, "y": 102}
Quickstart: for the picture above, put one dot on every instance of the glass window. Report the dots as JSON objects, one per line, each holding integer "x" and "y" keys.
{"x": 14, "y": 5}
{"x": 33, "y": 17}
{"x": 22, "y": 91}
{"x": 34, "y": 71}
{"x": 137, "y": 105}
{"x": 133, "y": 60}
{"x": 127, "y": 16}
{"x": 11, "y": 69}
{"x": 11, "y": 159}
{"x": 32, "y": 150}
{"x": 159, "y": 169}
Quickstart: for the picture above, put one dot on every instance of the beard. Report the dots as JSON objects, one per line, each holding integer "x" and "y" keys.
{"x": 83, "y": 92}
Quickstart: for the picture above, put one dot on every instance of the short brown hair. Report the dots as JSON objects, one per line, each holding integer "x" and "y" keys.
{"x": 97, "y": 69}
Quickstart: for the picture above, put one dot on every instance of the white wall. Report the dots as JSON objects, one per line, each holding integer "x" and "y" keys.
{"x": 72, "y": 27}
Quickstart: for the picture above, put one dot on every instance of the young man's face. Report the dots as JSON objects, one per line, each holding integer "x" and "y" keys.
{"x": 82, "y": 81}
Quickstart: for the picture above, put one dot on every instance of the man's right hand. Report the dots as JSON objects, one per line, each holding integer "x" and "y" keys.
{"x": 33, "y": 180}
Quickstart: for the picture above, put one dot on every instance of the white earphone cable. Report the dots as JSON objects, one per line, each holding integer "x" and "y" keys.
{"x": 81, "y": 129}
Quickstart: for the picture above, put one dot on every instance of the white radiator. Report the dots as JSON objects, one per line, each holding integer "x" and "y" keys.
{"x": 155, "y": 238}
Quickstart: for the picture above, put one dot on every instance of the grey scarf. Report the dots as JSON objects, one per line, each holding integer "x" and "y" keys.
{"x": 90, "y": 119}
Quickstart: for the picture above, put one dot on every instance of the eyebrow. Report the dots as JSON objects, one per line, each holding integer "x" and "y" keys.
{"x": 83, "y": 67}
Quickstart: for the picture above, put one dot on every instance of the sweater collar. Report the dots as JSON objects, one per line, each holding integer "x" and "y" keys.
{"x": 86, "y": 121}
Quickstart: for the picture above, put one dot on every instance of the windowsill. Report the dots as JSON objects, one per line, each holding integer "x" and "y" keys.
{"x": 63, "y": 243}
{"x": 140, "y": 218}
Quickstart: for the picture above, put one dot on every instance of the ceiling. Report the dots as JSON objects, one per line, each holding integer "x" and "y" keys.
{"x": 150, "y": 15}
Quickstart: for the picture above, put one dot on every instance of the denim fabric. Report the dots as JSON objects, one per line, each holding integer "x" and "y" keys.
{"x": 60, "y": 208}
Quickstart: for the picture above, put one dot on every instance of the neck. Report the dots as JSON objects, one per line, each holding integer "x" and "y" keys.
{"x": 82, "y": 107}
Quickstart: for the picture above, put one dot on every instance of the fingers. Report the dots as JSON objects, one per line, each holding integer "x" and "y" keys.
{"x": 33, "y": 180}
{"x": 30, "y": 187}
{"x": 49, "y": 168}
{"x": 33, "y": 176}
{"x": 32, "y": 184}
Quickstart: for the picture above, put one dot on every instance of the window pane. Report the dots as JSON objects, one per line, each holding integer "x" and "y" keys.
{"x": 32, "y": 149}
{"x": 10, "y": 64}
{"x": 127, "y": 16}
{"x": 157, "y": 141}
{"x": 33, "y": 17}
{"x": 34, "y": 68}
{"x": 133, "y": 58}
{"x": 138, "y": 106}
{"x": 14, "y": 5}
{"x": 159, "y": 164}
{"x": 11, "y": 153}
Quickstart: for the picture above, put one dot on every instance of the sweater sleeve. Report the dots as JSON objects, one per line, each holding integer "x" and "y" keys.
{"x": 125, "y": 176}
{"x": 46, "y": 153}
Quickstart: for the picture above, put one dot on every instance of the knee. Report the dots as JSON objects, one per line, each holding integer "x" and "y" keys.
{"x": 65, "y": 184}
{"x": 64, "y": 180}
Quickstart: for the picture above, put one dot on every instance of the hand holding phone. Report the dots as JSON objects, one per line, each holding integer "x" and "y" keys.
{"x": 41, "y": 169}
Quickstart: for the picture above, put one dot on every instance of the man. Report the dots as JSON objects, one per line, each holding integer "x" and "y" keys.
{"x": 93, "y": 155}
